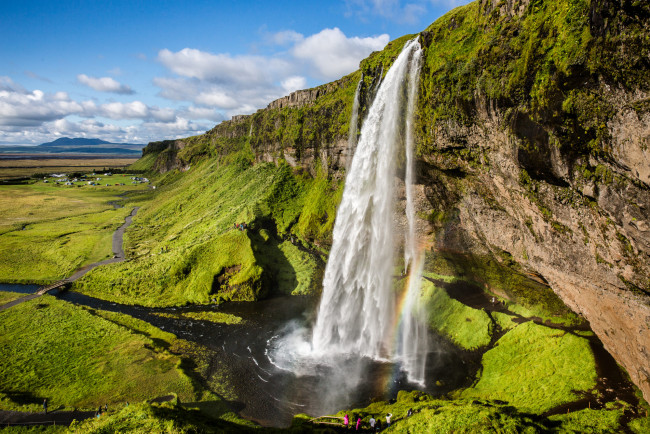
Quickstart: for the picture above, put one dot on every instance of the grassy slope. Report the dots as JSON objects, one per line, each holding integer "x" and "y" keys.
{"x": 183, "y": 248}
{"x": 466, "y": 327}
{"x": 74, "y": 357}
{"x": 48, "y": 231}
{"x": 535, "y": 368}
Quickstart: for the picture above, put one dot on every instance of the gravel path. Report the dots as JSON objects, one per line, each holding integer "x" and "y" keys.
{"x": 8, "y": 418}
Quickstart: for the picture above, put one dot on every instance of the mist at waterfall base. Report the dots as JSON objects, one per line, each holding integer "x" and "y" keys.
{"x": 362, "y": 327}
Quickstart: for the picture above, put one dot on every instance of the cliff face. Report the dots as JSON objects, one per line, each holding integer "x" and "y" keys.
{"x": 533, "y": 129}
{"x": 539, "y": 145}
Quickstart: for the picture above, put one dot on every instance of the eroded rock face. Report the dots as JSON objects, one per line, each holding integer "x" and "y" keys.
{"x": 505, "y": 8}
{"x": 589, "y": 240}
{"x": 300, "y": 98}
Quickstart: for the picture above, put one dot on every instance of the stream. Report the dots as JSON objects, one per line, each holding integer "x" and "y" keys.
{"x": 264, "y": 389}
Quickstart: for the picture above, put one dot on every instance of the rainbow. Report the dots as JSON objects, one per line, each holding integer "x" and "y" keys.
{"x": 403, "y": 310}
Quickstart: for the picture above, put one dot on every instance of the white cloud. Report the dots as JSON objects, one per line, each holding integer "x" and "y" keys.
{"x": 293, "y": 83}
{"x": 104, "y": 84}
{"x": 242, "y": 84}
{"x": 177, "y": 89}
{"x": 216, "y": 98}
{"x": 332, "y": 54}
{"x": 31, "y": 117}
{"x": 286, "y": 37}
{"x": 19, "y": 107}
{"x": 203, "y": 113}
{"x": 222, "y": 68}
{"x": 118, "y": 110}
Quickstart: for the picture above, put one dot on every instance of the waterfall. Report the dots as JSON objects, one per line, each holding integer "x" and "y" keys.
{"x": 410, "y": 246}
{"x": 352, "y": 133}
{"x": 357, "y": 312}
{"x": 412, "y": 336}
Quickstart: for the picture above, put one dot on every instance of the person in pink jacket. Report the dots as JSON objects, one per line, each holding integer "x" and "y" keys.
{"x": 346, "y": 421}
{"x": 358, "y": 423}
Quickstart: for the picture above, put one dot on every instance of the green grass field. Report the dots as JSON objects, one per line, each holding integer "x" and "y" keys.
{"x": 6, "y": 297}
{"x": 218, "y": 317}
{"x": 48, "y": 230}
{"x": 27, "y": 167}
{"x": 77, "y": 357}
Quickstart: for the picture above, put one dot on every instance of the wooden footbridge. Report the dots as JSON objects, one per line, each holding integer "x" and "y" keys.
{"x": 45, "y": 289}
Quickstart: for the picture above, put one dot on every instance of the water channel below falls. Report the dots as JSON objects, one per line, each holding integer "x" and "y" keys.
{"x": 263, "y": 385}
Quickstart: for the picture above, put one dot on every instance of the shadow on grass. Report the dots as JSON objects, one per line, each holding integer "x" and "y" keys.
{"x": 279, "y": 274}
{"x": 22, "y": 398}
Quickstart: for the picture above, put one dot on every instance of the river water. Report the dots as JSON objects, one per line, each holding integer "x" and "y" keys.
{"x": 248, "y": 357}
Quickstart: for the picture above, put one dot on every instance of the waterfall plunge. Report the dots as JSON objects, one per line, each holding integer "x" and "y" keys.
{"x": 352, "y": 133}
{"x": 357, "y": 310}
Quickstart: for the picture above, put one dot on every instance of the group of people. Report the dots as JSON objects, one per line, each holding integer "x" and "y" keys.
{"x": 99, "y": 410}
{"x": 241, "y": 226}
{"x": 375, "y": 424}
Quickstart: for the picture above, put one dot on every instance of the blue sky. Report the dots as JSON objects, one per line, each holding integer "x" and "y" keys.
{"x": 137, "y": 71}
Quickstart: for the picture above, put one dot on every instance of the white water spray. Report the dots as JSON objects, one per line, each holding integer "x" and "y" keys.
{"x": 357, "y": 310}
{"x": 352, "y": 133}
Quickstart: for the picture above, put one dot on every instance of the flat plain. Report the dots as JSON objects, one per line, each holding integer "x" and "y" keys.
{"x": 18, "y": 166}
{"x": 49, "y": 229}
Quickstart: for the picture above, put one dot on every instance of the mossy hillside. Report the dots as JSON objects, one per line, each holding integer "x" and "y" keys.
{"x": 535, "y": 368}
{"x": 183, "y": 246}
{"x": 145, "y": 163}
{"x": 77, "y": 358}
{"x": 294, "y": 133}
{"x": 544, "y": 66}
{"x": 466, "y": 327}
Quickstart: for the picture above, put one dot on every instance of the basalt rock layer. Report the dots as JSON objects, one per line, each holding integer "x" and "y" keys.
{"x": 533, "y": 127}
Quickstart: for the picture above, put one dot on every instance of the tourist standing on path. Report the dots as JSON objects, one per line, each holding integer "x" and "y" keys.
{"x": 346, "y": 421}
{"x": 45, "y": 406}
{"x": 372, "y": 423}
{"x": 358, "y": 423}
{"x": 388, "y": 416}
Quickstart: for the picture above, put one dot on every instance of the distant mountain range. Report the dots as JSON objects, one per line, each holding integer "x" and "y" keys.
{"x": 67, "y": 145}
